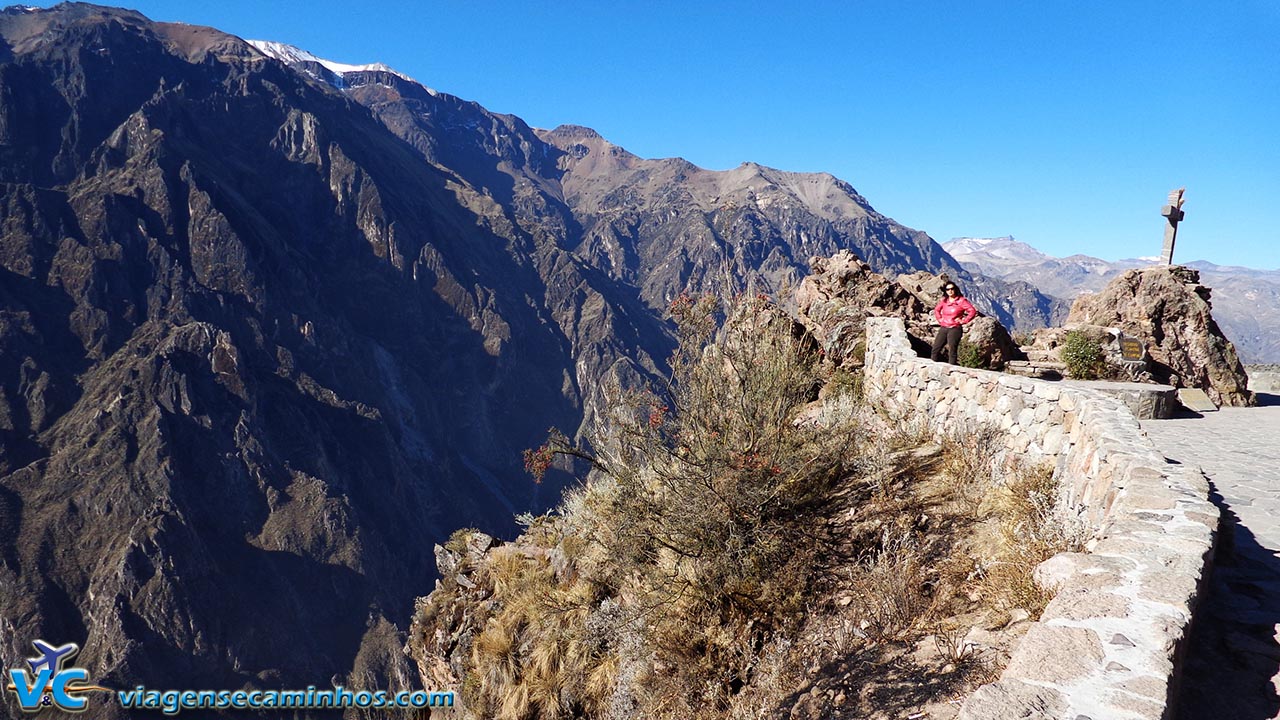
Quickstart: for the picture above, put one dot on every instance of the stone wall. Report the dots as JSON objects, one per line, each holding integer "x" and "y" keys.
{"x": 1108, "y": 646}
{"x": 1264, "y": 378}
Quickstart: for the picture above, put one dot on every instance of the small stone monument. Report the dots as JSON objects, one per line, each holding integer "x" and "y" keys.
{"x": 1172, "y": 212}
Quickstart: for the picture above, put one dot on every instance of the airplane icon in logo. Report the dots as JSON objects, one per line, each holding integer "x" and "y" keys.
{"x": 51, "y": 657}
{"x": 49, "y": 683}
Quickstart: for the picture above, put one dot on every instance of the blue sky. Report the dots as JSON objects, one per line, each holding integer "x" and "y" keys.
{"x": 1063, "y": 124}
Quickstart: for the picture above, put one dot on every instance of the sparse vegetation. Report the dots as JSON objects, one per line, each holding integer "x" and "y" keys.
{"x": 1020, "y": 500}
{"x": 1030, "y": 533}
{"x": 858, "y": 355}
{"x": 457, "y": 541}
{"x": 967, "y": 355}
{"x": 845, "y": 383}
{"x": 969, "y": 458}
{"x": 889, "y": 587}
{"x": 737, "y": 537}
{"x": 1083, "y": 356}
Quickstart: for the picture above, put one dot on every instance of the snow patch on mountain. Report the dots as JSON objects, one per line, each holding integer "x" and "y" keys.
{"x": 1005, "y": 248}
{"x": 291, "y": 55}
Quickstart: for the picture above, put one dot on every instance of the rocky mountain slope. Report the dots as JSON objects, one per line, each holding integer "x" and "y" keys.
{"x": 269, "y": 330}
{"x": 1244, "y": 299}
{"x": 693, "y": 227}
{"x": 659, "y": 225}
{"x": 257, "y": 357}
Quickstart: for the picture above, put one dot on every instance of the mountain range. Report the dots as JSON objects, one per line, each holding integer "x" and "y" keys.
{"x": 1246, "y": 301}
{"x": 272, "y": 326}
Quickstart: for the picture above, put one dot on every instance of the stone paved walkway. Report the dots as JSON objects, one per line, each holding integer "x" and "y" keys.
{"x": 1233, "y": 663}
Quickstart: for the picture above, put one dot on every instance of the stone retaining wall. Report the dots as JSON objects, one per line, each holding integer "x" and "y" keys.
{"x": 1264, "y": 378}
{"x": 1108, "y": 646}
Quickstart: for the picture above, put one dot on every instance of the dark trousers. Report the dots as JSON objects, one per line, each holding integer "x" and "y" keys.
{"x": 948, "y": 337}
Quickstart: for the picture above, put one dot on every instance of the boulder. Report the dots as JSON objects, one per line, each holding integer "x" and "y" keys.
{"x": 1168, "y": 310}
{"x": 834, "y": 300}
{"x": 994, "y": 345}
{"x": 925, "y": 286}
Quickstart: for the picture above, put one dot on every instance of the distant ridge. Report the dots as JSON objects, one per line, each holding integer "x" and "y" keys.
{"x": 1246, "y": 301}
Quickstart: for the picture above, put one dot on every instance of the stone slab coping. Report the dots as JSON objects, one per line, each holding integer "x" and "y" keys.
{"x": 1114, "y": 385}
{"x": 1196, "y": 399}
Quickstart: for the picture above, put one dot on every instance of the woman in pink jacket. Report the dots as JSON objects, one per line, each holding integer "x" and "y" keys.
{"x": 952, "y": 312}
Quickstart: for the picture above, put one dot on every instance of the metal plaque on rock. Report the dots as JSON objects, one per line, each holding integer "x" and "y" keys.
{"x": 1130, "y": 348}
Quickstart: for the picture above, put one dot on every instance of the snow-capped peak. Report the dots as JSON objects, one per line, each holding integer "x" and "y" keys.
{"x": 290, "y": 55}
{"x": 969, "y": 244}
{"x": 1001, "y": 247}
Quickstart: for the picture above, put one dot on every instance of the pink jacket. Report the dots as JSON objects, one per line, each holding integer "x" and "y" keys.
{"x": 952, "y": 313}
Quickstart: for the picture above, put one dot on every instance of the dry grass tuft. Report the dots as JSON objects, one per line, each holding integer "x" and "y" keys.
{"x": 889, "y": 587}
{"x": 971, "y": 459}
{"x": 1030, "y": 532}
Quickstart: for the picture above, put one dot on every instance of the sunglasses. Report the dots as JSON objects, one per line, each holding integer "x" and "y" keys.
{"x": 950, "y": 289}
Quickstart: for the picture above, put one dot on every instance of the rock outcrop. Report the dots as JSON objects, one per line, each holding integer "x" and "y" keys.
{"x": 1168, "y": 309}
{"x": 833, "y": 303}
{"x": 840, "y": 292}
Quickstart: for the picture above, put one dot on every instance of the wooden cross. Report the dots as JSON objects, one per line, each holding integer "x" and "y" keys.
{"x": 1173, "y": 213}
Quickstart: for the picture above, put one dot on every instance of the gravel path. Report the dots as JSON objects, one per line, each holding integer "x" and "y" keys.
{"x": 1233, "y": 663}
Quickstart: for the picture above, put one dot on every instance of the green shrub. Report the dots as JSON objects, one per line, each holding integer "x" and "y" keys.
{"x": 1083, "y": 356}
{"x": 968, "y": 355}
{"x": 845, "y": 383}
{"x": 859, "y": 353}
